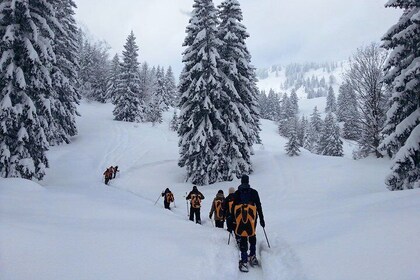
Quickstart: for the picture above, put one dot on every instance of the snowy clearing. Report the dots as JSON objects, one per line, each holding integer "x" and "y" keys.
{"x": 327, "y": 218}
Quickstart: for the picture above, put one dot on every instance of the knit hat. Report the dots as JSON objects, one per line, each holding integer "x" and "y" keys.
{"x": 231, "y": 190}
{"x": 245, "y": 179}
{"x": 195, "y": 188}
{"x": 220, "y": 191}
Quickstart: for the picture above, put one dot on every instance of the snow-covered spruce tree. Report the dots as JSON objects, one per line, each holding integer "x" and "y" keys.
{"x": 114, "y": 75}
{"x": 292, "y": 146}
{"x": 171, "y": 88}
{"x": 329, "y": 143}
{"x": 157, "y": 103}
{"x": 202, "y": 139}
{"x": 294, "y": 102}
{"x": 286, "y": 113}
{"x": 331, "y": 101}
{"x": 236, "y": 67}
{"x": 174, "y": 125}
{"x": 313, "y": 132}
{"x": 93, "y": 69}
{"x": 129, "y": 105}
{"x": 263, "y": 104}
{"x": 402, "y": 68}
{"x": 303, "y": 127}
{"x": 65, "y": 81}
{"x": 365, "y": 76}
{"x": 273, "y": 106}
{"x": 348, "y": 112}
{"x": 25, "y": 86}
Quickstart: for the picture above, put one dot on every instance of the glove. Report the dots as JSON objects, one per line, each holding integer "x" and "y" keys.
{"x": 210, "y": 216}
{"x": 262, "y": 223}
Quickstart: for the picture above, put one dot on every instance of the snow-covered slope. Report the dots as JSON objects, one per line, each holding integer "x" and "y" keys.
{"x": 285, "y": 78}
{"x": 327, "y": 218}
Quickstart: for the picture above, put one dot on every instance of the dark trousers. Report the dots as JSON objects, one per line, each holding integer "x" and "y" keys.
{"x": 219, "y": 224}
{"x": 106, "y": 180}
{"x": 243, "y": 246}
{"x": 196, "y": 212}
{"x": 166, "y": 204}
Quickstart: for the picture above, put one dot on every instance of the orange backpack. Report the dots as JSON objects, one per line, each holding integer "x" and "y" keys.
{"x": 195, "y": 201}
{"x": 245, "y": 216}
{"x": 218, "y": 215}
{"x": 169, "y": 197}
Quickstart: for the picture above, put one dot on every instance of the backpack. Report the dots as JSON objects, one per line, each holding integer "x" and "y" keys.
{"x": 169, "y": 197}
{"x": 218, "y": 213}
{"x": 195, "y": 201}
{"x": 245, "y": 216}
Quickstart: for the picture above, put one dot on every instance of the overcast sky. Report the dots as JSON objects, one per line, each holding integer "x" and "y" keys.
{"x": 282, "y": 31}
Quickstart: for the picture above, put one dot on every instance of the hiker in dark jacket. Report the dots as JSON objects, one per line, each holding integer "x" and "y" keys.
{"x": 246, "y": 200}
{"x": 195, "y": 201}
{"x": 227, "y": 205}
{"x": 115, "y": 171}
{"x": 168, "y": 197}
{"x": 108, "y": 174}
{"x": 217, "y": 209}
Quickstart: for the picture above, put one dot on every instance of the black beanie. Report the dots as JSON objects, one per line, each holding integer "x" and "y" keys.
{"x": 195, "y": 188}
{"x": 220, "y": 191}
{"x": 245, "y": 179}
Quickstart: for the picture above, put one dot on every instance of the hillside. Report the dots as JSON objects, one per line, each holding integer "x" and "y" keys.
{"x": 326, "y": 218}
{"x": 305, "y": 78}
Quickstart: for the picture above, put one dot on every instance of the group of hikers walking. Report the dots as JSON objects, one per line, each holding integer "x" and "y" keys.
{"x": 240, "y": 209}
{"x": 110, "y": 173}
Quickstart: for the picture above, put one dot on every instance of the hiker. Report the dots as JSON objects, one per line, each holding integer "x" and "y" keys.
{"x": 216, "y": 208}
{"x": 227, "y": 208}
{"x": 111, "y": 172}
{"x": 108, "y": 175}
{"x": 246, "y": 205}
{"x": 168, "y": 197}
{"x": 195, "y": 201}
{"x": 115, "y": 171}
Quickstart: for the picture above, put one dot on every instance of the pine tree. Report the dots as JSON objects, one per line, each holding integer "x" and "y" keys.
{"x": 402, "y": 129}
{"x": 329, "y": 143}
{"x": 171, "y": 88}
{"x": 273, "y": 106}
{"x": 201, "y": 117}
{"x": 27, "y": 57}
{"x": 174, "y": 125}
{"x": 240, "y": 85}
{"x": 93, "y": 71}
{"x": 129, "y": 105}
{"x": 114, "y": 75}
{"x": 331, "y": 101}
{"x": 157, "y": 104}
{"x": 294, "y": 102}
{"x": 64, "y": 76}
{"x": 292, "y": 146}
{"x": 303, "y": 126}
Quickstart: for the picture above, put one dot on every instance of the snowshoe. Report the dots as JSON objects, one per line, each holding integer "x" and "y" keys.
{"x": 243, "y": 266}
{"x": 253, "y": 261}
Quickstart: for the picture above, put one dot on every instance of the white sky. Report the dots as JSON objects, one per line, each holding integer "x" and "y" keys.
{"x": 281, "y": 31}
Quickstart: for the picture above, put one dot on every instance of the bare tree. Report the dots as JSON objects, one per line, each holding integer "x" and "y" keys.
{"x": 365, "y": 77}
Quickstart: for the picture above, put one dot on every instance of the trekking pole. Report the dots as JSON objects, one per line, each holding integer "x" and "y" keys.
{"x": 188, "y": 212}
{"x": 266, "y": 238}
{"x": 157, "y": 199}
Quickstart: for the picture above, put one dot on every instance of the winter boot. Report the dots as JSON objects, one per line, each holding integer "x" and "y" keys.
{"x": 253, "y": 260}
{"x": 243, "y": 266}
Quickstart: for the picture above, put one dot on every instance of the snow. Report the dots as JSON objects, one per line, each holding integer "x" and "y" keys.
{"x": 327, "y": 218}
